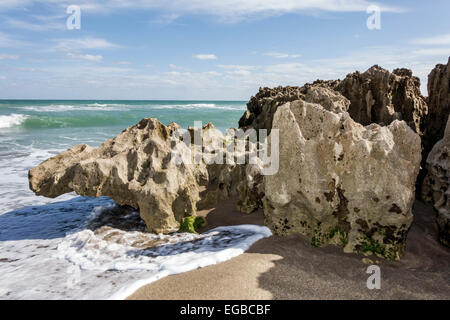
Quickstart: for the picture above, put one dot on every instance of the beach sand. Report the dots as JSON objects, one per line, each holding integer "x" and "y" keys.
{"x": 290, "y": 268}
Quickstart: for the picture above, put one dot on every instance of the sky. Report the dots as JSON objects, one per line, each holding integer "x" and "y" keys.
{"x": 209, "y": 49}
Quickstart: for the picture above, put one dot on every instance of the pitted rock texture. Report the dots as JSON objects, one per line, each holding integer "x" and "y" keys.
{"x": 262, "y": 107}
{"x": 342, "y": 183}
{"x": 438, "y": 105}
{"x": 378, "y": 96}
{"x": 137, "y": 169}
{"x": 134, "y": 169}
{"x": 436, "y": 186}
{"x": 375, "y": 96}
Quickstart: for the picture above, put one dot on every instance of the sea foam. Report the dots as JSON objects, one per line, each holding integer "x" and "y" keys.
{"x": 12, "y": 120}
{"x": 101, "y": 260}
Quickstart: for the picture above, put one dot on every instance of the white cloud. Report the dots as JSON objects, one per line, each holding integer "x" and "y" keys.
{"x": 239, "y": 73}
{"x": 124, "y": 63}
{"x": 8, "y": 41}
{"x": 440, "y": 40}
{"x": 230, "y": 10}
{"x": 175, "y": 67}
{"x": 84, "y": 43}
{"x": 166, "y": 19}
{"x": 37, "y": 26}
{"x": 432, "y": 52}
{"x": 279, "y": 55}
{"x": 7, "y": 4}
{"x": 89, "y": 57}
{"x": 8, "y": 56}
{"x": 205, "y": 56}
{"x": 237, "y": 67}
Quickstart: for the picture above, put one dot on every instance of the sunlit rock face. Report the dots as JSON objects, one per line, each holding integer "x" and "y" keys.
{"x": 134, "y": 169}
{"x": 140, "y": 168}
{"x": 340, "y": 182}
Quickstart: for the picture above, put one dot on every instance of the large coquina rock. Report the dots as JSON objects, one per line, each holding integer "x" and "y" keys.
{"x": 437, "y": 184}
{"x": 139, "y": 168}
{"x": 134, "y": 169}
{"x": 340, "y": 182}
{"x": 438, "y": 105}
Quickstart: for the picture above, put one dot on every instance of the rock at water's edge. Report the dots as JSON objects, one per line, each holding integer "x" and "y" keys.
{"x": 134, "y": 169}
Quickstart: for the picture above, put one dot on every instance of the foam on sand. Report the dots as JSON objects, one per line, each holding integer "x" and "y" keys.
{"x": 88, "y": 248}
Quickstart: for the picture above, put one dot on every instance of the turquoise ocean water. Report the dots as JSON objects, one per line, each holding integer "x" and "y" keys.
{"x": 43, "y": 124}
{"x": 33, "y": 130}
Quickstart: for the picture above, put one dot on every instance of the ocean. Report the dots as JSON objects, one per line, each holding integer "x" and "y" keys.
{"x": 57, "y": 248}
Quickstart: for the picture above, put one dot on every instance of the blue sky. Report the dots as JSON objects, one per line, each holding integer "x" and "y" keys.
{"x": 210, "y": 50}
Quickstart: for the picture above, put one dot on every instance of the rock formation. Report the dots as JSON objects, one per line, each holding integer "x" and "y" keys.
{"x": 262, "y": 107}
{"x": 350, "y": 153}
{"x": 378, "y": 96}
{"x": 137, "y": 168}
{"x": 375, "y": 96}
{"x": 438, "y": 105}
{"x": 436, "y": 186}
{"x": 134, "y": 169}
{"x": 340, "y": 182}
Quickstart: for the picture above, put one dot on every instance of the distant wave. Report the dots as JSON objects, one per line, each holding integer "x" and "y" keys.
{"x": 83, "y": 121}
{"x": 199, "y": 106}
{"x": 12, "y": 120}
{"x": 127, "y": 107}
{"x": 65, "y": 107}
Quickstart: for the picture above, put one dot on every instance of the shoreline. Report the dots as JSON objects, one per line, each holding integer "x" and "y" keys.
{"x": 290, "y": 268}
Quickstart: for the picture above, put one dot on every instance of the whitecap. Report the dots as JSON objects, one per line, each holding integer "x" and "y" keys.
{"x": 199, "y": 106}
{"x": 67, "y": 107}
{"x": 12, "y": 120}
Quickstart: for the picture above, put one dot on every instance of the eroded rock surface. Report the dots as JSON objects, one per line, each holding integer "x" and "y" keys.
{"x": 438, "y": 104}
{"x": 340, "y": 182}
{"x": 134, "y": 169}
{"x": 436, "y": 186}
{"x": 138, "y": 168}
{"x": 262, "y": 106}
{"x": 379, "y": 96}
{"x": 375, "y": 96}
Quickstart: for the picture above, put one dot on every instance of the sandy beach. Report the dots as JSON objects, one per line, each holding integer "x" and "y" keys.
{"x": 290, "y": 268}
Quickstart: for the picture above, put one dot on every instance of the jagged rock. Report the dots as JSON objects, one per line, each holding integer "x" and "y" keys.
{"x": 137, "y": 168}
{"x": 134, "y": 169}
{"x": 340, "y": 182}
{"x": 436, "y": 186}
{"x": 438, "y": 105}
{"x": 329, "y": 99}
{"x": 262, "y": 106}
{"x": 378, "y": 96}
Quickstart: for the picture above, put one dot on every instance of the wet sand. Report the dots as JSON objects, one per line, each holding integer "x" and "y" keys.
{"x": 290, "y": 268}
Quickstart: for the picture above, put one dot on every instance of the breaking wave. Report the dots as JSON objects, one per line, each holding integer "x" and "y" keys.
{"x": 12, "y": 120}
